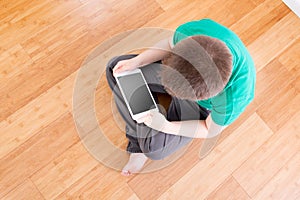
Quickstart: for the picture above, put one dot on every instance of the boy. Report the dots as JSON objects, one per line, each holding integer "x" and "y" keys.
{"x": 210, "y": 76}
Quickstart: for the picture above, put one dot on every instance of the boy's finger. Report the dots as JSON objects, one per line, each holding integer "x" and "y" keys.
{"x": 142, "y": 119}
{"x": 117, "y": 70}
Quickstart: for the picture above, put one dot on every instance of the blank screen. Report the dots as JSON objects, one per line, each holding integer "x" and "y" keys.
{"x": 136, "y": 93}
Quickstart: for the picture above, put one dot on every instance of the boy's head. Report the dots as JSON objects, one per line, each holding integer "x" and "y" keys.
{"x": 198, "y": 67}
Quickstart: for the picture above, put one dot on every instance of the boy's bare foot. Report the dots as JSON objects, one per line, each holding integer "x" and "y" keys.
{"x": 135, "y": 164}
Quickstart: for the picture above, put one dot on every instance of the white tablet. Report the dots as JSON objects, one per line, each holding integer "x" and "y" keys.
{"x": 136, "y": 93}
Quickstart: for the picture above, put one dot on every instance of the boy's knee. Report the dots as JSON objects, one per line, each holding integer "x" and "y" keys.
{"x": 156, "y": 147}
{"x": 110, "y": 65}
{"x": 113, "y": 61}
{"x": 152, "y": 149}
{"x": 155, "y": 155}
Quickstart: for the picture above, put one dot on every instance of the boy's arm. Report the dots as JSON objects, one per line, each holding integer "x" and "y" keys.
{"x": 194, "y": 128}
{"x": 191, "y": 128}
{"x": 155, "y": 53}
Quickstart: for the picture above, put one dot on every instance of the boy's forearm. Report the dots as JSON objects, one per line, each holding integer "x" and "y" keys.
{"x": 191, "y": 128}
{"x": 157, "y": 52}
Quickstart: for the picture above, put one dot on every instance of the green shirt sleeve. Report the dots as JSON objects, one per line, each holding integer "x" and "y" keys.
{"x": 222, "y": 109}
{"x": 227, "y": 107}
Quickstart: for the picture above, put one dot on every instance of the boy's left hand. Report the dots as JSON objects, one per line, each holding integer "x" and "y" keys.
{"x": 154, "y": 120}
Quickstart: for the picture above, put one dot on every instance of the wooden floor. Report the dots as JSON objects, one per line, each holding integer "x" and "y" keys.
{"x": 43, "y": 44}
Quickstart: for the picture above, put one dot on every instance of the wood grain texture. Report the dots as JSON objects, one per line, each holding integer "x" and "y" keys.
{"x": 36, "y": 115}
{"x": 195, "y": 10}
{"x": 133, "y": 197}
{"x": 230, "y": 189}
{"x": 24, "y": 19}
{"x": 259, "y": 20}
{"x": 291, "y": 58}
{"x": 285, "y": 184}
{"x": 64, "y": 56}
{"x": 43, "y": 45}
{"x": 270, "y": 157}
{"x": 207, "y": 174}
{"x": 99, "y": 183}
{"x": 284, "y": 33}
{"x": 154, "y": 184}
{"x": 53, "y": 178}
{"x": 24, "y": 191}
{"x": 15, "y": 56}
{"x": 281, "y": 107}
{"x": 270, "y": 80}
{"x": 29, "y": 157}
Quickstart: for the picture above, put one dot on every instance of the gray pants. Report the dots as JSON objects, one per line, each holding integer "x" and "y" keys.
{"x": 154, "y": 144}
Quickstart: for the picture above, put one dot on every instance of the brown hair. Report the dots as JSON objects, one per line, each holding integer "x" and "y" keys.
{"x": 197, "y": 67}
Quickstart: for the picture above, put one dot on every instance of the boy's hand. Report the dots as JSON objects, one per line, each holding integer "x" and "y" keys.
{"x": 126, "y": 65}
{"x": 154, "y": 120}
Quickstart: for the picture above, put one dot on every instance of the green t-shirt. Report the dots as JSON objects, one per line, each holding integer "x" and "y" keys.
{"x": 239, "y": 92}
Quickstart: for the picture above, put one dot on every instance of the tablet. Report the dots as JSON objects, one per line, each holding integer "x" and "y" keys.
{"x": 136, "y": 93}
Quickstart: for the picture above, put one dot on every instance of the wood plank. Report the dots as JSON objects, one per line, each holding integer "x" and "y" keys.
{"x": 36, "y": 152}
{"x": 167, "y": 4}
{"x": 6, "y": 5}
{"x": 291, "y": 58}
{"x": 278, "y": 110}
{"x": 230, "y": 189}
{"x": 29, "y": 84}
{"x": 184, "y": 13}
{"x": 67, "y": 57}
{"x": 250, "y": 109}
{"x": 16, "y": 12}
{"x": 27, "y": 22}
{"x": 87, "y": 19}
{"x": 133, "y": 197}
{"x": 270, "y": 81}
{"x": 297, "y": 84}
{"x": 104, "y": 101}
{"x": 123, "y": 193}
{"x": 285, "y": 184}
{"x": 9, "y": 62}
{"x": 188, "y": 11}
{"x": 258, "y": 2}
{"x": 159, "y": 175}
{"x": 40, "y": 112}
{"x": 270, "y": 44}
{"x": 114, "y": 133}
{"x": 260, "y": 20}
{"x": 110, "y": 121}
{"x": 99, "y": 183}
{"x": 63, "y": 171}
{"x": 214, "y": 169}
{"x": 71, "y": 27}
{"x": 24, "y": 191}
{"x": 123, "y": 18}
{"x": 270, "y": 157}
{"x": 237, "y": 11}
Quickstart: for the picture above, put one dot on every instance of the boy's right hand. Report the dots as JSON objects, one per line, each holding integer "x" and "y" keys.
{"x": 126, "y": 65}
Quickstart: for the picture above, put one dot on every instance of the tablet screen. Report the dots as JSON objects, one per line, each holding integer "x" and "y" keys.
{"x": 136, "y": 93}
